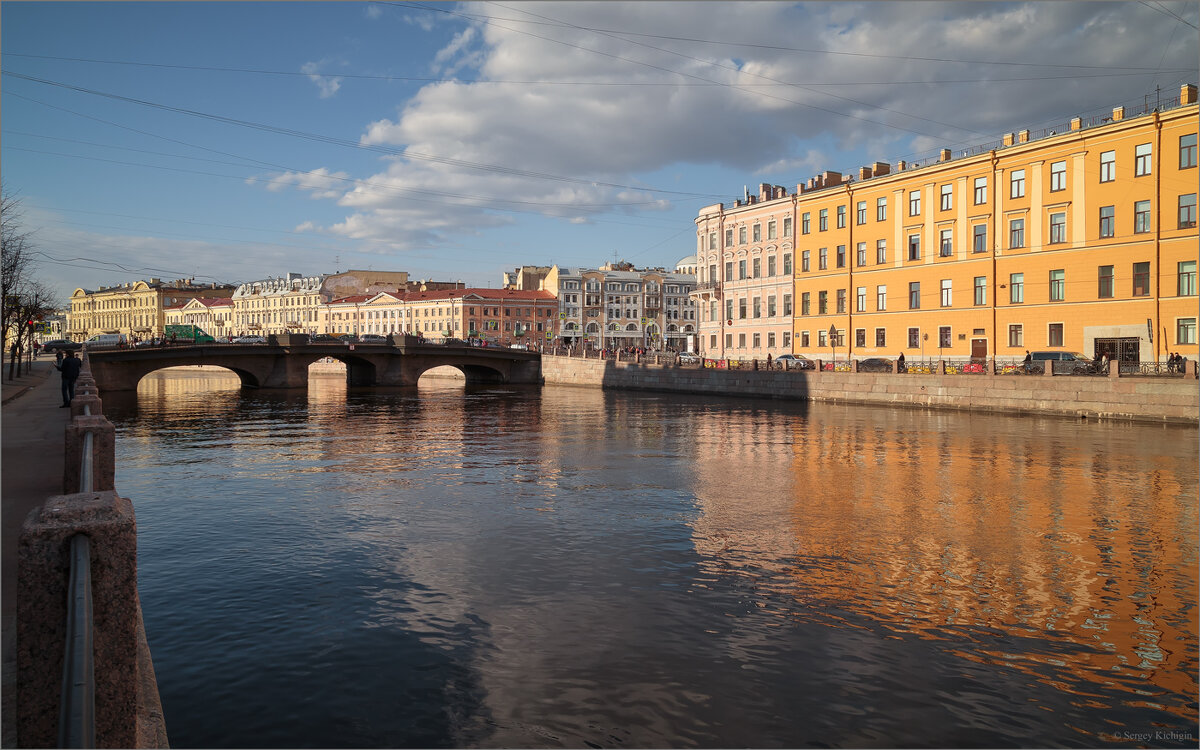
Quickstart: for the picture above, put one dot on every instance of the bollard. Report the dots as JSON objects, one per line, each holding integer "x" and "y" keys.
{"x": 42, "y": 570}
{"x": 104, "y": 441}
{"x": 1114, "y": 368}
{"x": 1048, "y": 367}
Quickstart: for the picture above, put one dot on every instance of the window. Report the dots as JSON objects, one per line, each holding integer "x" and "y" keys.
{"x": 1016, "y": 288}
{"x": 787, "y": 340}
{"x": 860, "y": 213}
{"x": 1108, "y": 166}
{"x": 729, "y": 270}
{"x": 787, "y": 305}
{"x": 1054, "y": 334}
{"x": 758, "y": 232}
{"x": 771, "y": 229}
{"x": 1017, "y": 184}
{"x": 841, "y": 217}
{"x": 981, "y": 290}
{"x": 1141, "y": 279}
{"x": 881, "y": 251}
{"x": 947, "y": 293}
{"x": 980, "y": 190}
{"x": 804, "y": 303}
{"x": 756, "y": 268}
{"x": 881, "y": 298}
{"x": 880, "y": 337}
{"x": 861, "y": 252}
{"x": 914, "y": 203}
{"x": 1016, "y": 335}
{"x": 787, "y": 227}
{"x": 914, "y": 338}
{"x": 860, "y": 299}
{"x": 771, "y": 265}
{"x": 946, "y": 243}
{"x": 1058, "y": 228}
{"x": 728, "y": 237}
{"x": 1058, "y": 176}
{"x": 1058, "y": 285}
{"x": 806, "y": 223}
{"x": 1141, "y": 216}
{"x": 822, "y": 339}
{"x": 947, "y": 197}
{"x": 823, "y": 220}
{"x": 771, "y": 340}
{"x": 742, "y": 308}
{"x": 804, "y": 258}
{"x": 822, "y": 302}
{"x": 1187, "y": 151}
{"x": 823, "y": 259}
{"x": 741, "y": 269}
{"x": 741, "y": 341}
{"x": 914, "y": 247}
{"x": 1104, "y": 283}
{"x": 1016, "y": 233}
{"x": 979, "y": 239}
{"x": 841, "y": 301}
{"x": 787, "y": 264}
{"x": 771, "y": 306}
{"x": 1185, "y": 331}
{"x": 1187, "y": 278}
{"x": 1187, "y": 211}
{"x": 881, "y": 209}
{"x": 1141, "y": 160}
{"x": 741, "y": 235}
{"x": 841, "y": 256}
{"x": 944, "y": 337}
{"x": 729, "y": 309}
{"x": 914, "y": 295}
{"x": 758, "y": 307}
{"x": 1108, "y": 222}
{"x": 804, "y": 339}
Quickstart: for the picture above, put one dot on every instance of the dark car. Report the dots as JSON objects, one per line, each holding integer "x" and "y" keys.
{"x": 61, "y": 345}
{"x": 324, "y": 338}
{"x": 875, "y": 364}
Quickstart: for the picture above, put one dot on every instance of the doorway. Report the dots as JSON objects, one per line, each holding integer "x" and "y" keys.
{"x": 1126, "y": 349}
{"x": 979, "y": 349}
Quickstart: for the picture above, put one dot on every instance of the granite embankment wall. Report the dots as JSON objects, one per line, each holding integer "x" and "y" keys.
{"x": 1175, "y": 400}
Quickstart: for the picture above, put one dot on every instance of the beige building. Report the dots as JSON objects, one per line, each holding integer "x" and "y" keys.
{"x": 617, "y": 306}
{"x": 136, "y": 310}
{"x": 499, "y": 316}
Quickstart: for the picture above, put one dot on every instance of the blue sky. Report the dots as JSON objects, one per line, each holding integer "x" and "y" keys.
{"x": 236, "y": 141}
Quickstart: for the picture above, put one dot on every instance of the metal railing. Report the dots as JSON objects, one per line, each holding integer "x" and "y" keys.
{"x": 77, "y": 705}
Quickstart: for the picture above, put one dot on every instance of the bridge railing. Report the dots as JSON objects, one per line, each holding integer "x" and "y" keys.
{"x": 83, "y": 679}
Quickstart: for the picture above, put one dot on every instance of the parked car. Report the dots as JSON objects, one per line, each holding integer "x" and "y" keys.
{"x": 453, "y": 342}
{"x": 1060, "y": 357}
{"x": 106, "y": 340}
{"x": 875, "y": 364}
{"x": 61, "y": 345}
{"x": 795, "y": 362}
{"x": 371, "y": 338}
{"x": 522, "y": 347}
{"x": 689, "y": 358}
{"x": 249, "y": 340}
{"x": 324, "y": 338}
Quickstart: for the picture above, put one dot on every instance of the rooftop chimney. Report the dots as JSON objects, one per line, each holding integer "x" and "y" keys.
{"x": 1187, "y": 94}
{"x": 1118, "y": 113}
{"x": 880, "y": 168}
{"x": 864, "y": 173}
{"x": 944, "y": 155}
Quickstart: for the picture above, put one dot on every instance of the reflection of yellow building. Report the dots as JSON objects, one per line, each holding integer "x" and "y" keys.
{"x": 136, "y": 310}
{"x": 932, "y": 526}
{"x": 1078, "y": 238}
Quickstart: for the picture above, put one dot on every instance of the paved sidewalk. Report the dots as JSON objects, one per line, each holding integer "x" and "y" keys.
{"x": 32, "y": 430}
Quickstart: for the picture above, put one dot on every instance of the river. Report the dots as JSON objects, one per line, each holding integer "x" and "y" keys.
{"x": 556, "y": 567}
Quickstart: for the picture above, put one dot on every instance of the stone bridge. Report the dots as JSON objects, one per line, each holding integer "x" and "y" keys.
{"x": 286, "y": 366}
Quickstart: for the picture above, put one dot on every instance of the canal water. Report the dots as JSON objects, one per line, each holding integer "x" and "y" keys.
{"x": 554, "y": 567}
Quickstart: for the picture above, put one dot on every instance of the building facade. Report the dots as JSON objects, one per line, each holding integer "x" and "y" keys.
{"x": 1078, "y": 238}
{"x": 618, "y": 306}
{"x": 135, "y": 309}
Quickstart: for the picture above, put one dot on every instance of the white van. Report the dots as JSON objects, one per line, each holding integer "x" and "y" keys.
{"x": 105, "y": 340}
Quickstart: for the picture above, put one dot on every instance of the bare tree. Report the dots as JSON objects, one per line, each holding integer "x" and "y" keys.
{"x": 23, "y": 298}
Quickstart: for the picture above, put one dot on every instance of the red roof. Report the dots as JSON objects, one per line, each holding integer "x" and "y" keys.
{"x": 487, "y": 295}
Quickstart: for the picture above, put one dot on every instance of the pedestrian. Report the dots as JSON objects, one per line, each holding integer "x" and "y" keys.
{"x": 1104, "y": 363}
{"x": 900, "y": 363}
{"x": 37, "y": 349}
{"x": 768, "y": 360}
{"x": 70, "y": 373}
{"x": 58, "y": 357}
{"x": 1028, "y": 361}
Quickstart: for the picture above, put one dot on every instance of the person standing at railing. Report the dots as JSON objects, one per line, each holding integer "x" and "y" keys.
{"x": 900, "y": 363}
{"x": 70, "y": 373}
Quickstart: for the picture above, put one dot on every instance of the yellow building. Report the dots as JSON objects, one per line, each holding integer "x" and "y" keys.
{"x": 136, "y": 310}
{"x": 1077, "y": 238}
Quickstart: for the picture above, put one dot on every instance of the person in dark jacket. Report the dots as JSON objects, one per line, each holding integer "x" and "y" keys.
{"x": 70, "y": 373}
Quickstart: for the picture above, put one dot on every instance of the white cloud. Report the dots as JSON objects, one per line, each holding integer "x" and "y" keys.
{"x": 321, "y": 183}
{"x": 326, "y": 85}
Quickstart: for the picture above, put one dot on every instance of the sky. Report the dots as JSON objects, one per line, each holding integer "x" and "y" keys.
{"x": 234, "y": 141}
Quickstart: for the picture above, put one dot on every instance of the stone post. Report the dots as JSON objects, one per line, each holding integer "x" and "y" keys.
{"x": 1048, "y": 367}
{"x": 941, "y": 368}
{"x": 854, "y": 365}
{"x": 104, "y": 441}
{"x": 1114, "y": 368}
{"x": 89, "y": 400}
{"x": 43, "y": 572}
{"x": 1190, "y": 369}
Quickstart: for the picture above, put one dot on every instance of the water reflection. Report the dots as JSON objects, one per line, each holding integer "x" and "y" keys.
{"x": 545, "y": 567}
